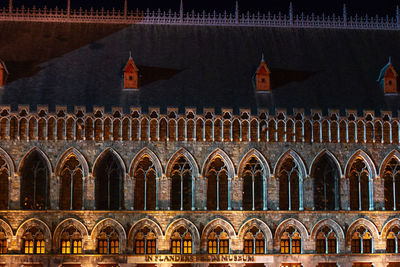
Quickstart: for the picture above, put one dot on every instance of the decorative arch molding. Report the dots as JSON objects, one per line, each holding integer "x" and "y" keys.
{"x": 297, "y": 159}
{"x": 115, "y": 153}
{"x": 366, "y": 158}
{"x": 114, "y": 224}
{"x": 65, "y": 224}
{"x": 139, "y": 225}
{"x": 331, "y": 156}
{"x": 147, "y": 152}
{"x": 286, "y": 224}
{"x": 367, "y": 224}
{"x": 388, "y": 226}
{"x": 7, "y": 230}
{"x": 78, "y": 155}
{"x": 260, "y": 225}
{"x": 334, "y": 226}
{"x": 188, "y": 156}
{"x": 188, "y": 225}
{"x": 393, "y": 153}
{"x": 9, "y": 162}
{"x": 219, "y": 153}
{"x": 212, "y": 225}
{"x": 254, "y": 152}
{"x": 33, "y": 222}
{"x": 44, "y": 156}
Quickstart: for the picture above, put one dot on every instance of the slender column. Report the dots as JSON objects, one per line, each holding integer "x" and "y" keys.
{"x": 157, "y": 186}
{"x": 181, "y": 192}
{"x": 371, "y": 194}
{"x": 394, "y": 194}
{"x": 217, "y": 191}
{"x": 359, "y": 192}
{"x": 194, "y": 181}
{"x": 265, "y": 207}
{"x": 229, "y": 193}
{"x": 289, "y": 194}
{"x": 252, "y": 191}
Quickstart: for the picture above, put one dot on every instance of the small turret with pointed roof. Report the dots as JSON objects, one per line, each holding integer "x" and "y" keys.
{"x": 263, "y": 80}
{"x": 388, "y": 78}
{"x": 131, "y": 74}
{"x": 3, "y": 73}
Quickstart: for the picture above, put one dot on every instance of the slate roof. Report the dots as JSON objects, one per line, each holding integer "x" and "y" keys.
{"x": 195, "y": 66}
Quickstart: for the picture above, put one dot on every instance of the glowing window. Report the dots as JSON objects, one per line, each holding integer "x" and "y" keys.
{"x": 145, "y": 241}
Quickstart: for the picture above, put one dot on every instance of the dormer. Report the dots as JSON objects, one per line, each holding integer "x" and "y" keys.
{"x": 3, "y": 73}
{"x": 263, "y": 80}
{"x": 131, "y": 75}
{"x": 388, "y": 79}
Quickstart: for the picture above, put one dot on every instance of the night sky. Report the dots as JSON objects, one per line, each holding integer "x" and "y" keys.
{"x": 382, "y": 7}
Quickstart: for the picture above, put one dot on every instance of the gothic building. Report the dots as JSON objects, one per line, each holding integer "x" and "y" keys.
{"x": 141, "y": 145}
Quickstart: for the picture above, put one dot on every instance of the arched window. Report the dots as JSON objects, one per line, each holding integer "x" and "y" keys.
{"x": 253, "y": 185}
{"x": 218, "y": 241}
{"x": 392, "y": 240}
{"x": 181, "y": 241}
{"x": 326, "y": 242}
{"x": 361, "y": 241}
{"x": 217, "y": 185}
{"x": 35, "y": 182}
{"x": 391, "y": 178}
{"x": 254, "y": 241}
{"x": 33, "y": 241}
{"x": 291, "y": 241}
{"x": 326, "y": 184}
{"x": 71, "y": 241}
{"x": 3, "y": 242}
{"x": 145, "y": 241}
{"x": 182, "y": 182}
{"x": 4, "y": 174}
{"x": 289, "y": 175}
{"x": 359, "y": 185}
{"x": 108, "y": 241}
{"x": 109, "y": 175}
{"x": 145, "y": 185}
{"x": 71, "y": 193}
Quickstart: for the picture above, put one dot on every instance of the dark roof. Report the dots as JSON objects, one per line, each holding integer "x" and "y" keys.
{"x": 195, "y": 66}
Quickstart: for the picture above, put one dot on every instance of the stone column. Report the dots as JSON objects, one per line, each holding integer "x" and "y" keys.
{"x": 344, "y": 193}
{"x": 308, "y": 193}
{"x": 89, "y": 187}
{"x": 163, "y": 194}
{"x": 379, "y": 193}
{"x": 54, "y": 192}
{"x": 15, "y": 192}
{"x": 273, "y": 193}
{"x": 201, "y": 193}
{"x": 128, "y": 190}
{"x": 237, "y": 193}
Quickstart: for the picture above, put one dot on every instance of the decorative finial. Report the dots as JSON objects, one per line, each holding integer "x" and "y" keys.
{"x": 291, "y": 12}
{"x": 130, "y": 54}
{"x": 262, "y": 57}
{"x": 181, "y": 12}
{"x": 237, "y": 12}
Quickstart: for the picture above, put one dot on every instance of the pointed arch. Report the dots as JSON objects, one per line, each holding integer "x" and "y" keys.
{"x": 192, "y": 161}
{"x": 335, "y": 227}
{"x": 6, "y": 174}
{"x": 388, "y": 226}
{"x": 7, "y": 230}
{"x": 115, "y": 153}
{"x": 221, "y": 154}
{"x": 390, "y": 173}
{"x": 362, "y": 222}
{"x": 361, "y": 154}
{"x": 42, "y": 154}
{"x": 115, "y": 225}
{"x": 69, "y": 152}
{"x": 63, "y": 225}
{"x": 10, "y": 163}
{"x": 254, "y": 153}
{"x": 190, "y": 226}
{"x": 147, "y": 152}
{"x": 255, "y": 222}
{"x": 331, "y": 156}
{"x": 33, "y": 222}
{"x": 287, "y": 223}
{"x": 227, "y": 226}
{"x": 154, "y": 226}
{"x": 296, "y": 157}
{"x": 392, "y": 154}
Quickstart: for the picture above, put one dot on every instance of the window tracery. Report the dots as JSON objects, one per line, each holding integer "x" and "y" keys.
{"x": 392, "y": 184}
{"x": 145, "y": 187}
{"x": 71, "y": 241}
{"x": 217, "y": 186}
{"x": 33, "y": 241}
{"x": 4, "y": 184}
{"x": 326, "y": 242}
{"x": 361, "y": 241}
{"x": 254, "y": 241}
{"x": 289, "y": 185}
{"x": 181, "y": 241}
{"x": 108, "y": 241}
{"x": 182, "y": 185}
{"x": 392, "y": 240}
{"x": 218, "y": 241}
{"x": 3, "y": 242}
{"x": 359, "y": 185}
{"x": 253, "y": 185}
{"x": 145, "y": 241}
{"x": 290, "y": 241}
{"x": 71, "y": 174}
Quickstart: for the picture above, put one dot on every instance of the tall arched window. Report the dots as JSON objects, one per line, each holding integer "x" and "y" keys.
{"x": 145, "y": 185}
{"x": 71, "y": 241}
{"x": 392, "y": 240}
{"x": 254, "y": 241}
{"x": 361, "y": 241}
{"x": 218, "y": 241}
{"x": 33, "y": 241}
{"x": 181, "y": 241}
{"x": 289, "y": 175}
{"x": 326, "y": 242}
{"x": 109, "y": 178}
{"x": 71, "y": 192}
{"x": 4, "y": 174}
{"x": 182, "y": 184}
{"x": 326, "y": 184}
{"x": 35, "y": 182}
{"x": 3, "y": 242}
{"x": 217, "y": 185}
{"x": 108, "y": 241}
{"x": 359, "y": 185}
{"x": 253, "y": 185}
{"x": 291, "y": 241}
{"x": 145, "y": 241}
{"x": 391, "y": 178}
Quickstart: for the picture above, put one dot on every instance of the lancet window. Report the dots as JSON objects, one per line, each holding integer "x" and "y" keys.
{"x": 359, "y": 185}
{"x": 218, "y": 241}
{"x": 108, "y": 241}
{"x": 290, "y": 241}
{"x": 33, "y": 241}
{"x": 145, "y": 185}
{"x": 182, "y": 185}
{"x": 217, "y": 185}
{"x": 4, "y": 186}
{"x": 289, "y": 185}
{"x": 3, "y": 242}
{"x": 392, "y": 240}
{"x": 326, "y": 184}
{"x": 254, "y": 241}
{"x": 326, "y": 242}
{"x": 71, "y": 241}
{"x": 71, "y": 193}
{"x": 35, "y": 182}
{"x": 145, "y": 241}
{"x": 109, "y": 176}
{"x": 181, "y": 241}
{"x": 253, "y": 185}
{"x": 391, "y": 178}
{"x": 361, "y": 241}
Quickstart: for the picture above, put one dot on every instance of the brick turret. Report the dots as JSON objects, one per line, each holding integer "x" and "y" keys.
{"x": 263, "y": 80}
{"x": 388, "y": 79}
{"x": 131, "y": 75}
{"x": 3, "y": 73}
